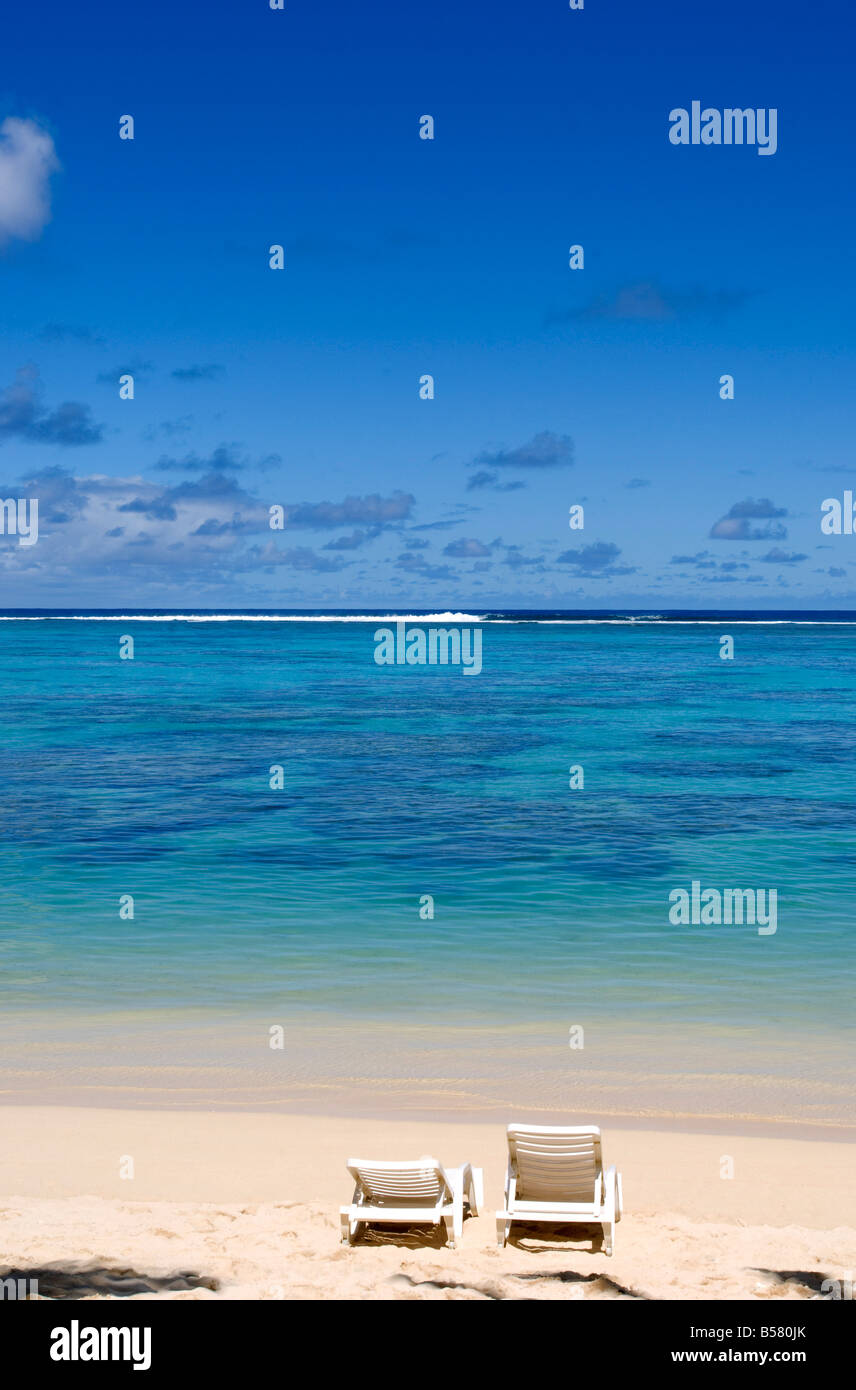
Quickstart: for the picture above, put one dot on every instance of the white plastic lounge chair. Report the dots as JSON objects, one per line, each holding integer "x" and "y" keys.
{"x": 557, "y": 1175}
{"x": 422, "y": 1191}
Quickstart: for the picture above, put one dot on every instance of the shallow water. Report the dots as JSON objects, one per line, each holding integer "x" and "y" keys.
{"x": 300, "y": 908}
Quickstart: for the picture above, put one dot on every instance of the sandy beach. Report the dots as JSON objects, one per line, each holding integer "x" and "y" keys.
{"x": 245, "y": 1206}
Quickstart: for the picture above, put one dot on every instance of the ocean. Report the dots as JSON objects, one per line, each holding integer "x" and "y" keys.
{"x": 426, "y": 916}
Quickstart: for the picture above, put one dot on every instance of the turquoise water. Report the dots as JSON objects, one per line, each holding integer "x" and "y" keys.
{"x": 300, "y": 907}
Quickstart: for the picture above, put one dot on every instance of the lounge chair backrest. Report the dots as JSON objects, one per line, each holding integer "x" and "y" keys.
{"x": 421, "y": 1182}
{"x": 554, "y": 1164}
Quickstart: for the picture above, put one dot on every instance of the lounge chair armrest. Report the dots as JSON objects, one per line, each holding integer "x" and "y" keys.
{"x": 510, "y": 1177}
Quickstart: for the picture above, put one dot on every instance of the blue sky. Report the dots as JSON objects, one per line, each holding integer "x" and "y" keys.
{"x": 403, "y": 257}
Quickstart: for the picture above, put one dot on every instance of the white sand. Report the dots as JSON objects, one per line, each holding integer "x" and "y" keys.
{"x": 249, "y": 1203}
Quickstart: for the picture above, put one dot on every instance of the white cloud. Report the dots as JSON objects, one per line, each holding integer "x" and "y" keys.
{"x": 27, "y": 160}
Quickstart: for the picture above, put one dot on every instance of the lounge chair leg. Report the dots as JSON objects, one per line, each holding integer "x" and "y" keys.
{"x": 349, "y": 1226}
{"x": 458, "y": 1212}
{"x": 503, "y": 1227}
{"x": 608, "y": 1237}
{"x": 476, "y": 1190}
{"x": 449, "y": 1223}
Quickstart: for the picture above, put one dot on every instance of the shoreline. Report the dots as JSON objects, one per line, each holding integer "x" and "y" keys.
{"x": 649, "y": 1079}
{"x": 741, "y": 1126}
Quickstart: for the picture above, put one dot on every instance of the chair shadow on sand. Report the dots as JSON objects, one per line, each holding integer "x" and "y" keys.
{"x": 407, "y": 1237}
{"x": 531, "y": 1238}
{"x": 80, "y": 1281}
{"x": 543, "y": 1237}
